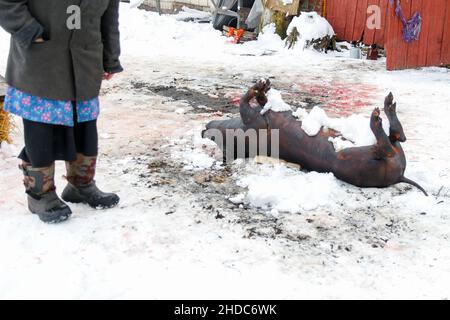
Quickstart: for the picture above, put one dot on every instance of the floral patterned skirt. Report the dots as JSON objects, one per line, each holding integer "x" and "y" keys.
{"x": 43, "y": 110}
{"x": 45, "y": 143}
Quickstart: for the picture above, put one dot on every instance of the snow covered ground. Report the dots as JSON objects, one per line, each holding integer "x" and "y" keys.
{"x": 188, "y": 227}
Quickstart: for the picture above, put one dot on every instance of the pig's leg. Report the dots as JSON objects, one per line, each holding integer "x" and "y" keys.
{"x": 251, "y": 116}
{"x": 396, "y": 132}
{"x": 383, "y": 148}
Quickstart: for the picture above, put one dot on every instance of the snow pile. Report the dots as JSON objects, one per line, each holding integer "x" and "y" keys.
{"x": 191, "y": 14}
{"x": 269, "y": 35}
{"x": 136, "y": 3}
{"x": 275, "y": 102}
{"x": 284, "y": 189}
{"x": 340, "y": 143}
{"x": 268, "y": 40}
{"x": 311, "y": 26}
{"x": 355, "y": 128}
{"x": 165, "y": 36}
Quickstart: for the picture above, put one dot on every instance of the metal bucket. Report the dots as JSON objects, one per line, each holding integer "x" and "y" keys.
{"x": 355, "y": 53}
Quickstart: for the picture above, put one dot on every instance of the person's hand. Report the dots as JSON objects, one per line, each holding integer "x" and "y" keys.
{"x": 39, "y": 40}
{"x": 107, "y": 76}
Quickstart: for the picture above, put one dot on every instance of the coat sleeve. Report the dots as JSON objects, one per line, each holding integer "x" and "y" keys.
{"x": 16, "y": 19}
{"x": 111, "y": 38}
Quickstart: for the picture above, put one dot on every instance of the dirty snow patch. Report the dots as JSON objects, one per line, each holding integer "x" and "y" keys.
{"x": 286, "y": 190}
{"x": 196, "y": 160}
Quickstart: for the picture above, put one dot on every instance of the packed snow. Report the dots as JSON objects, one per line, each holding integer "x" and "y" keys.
{"x": 275, "y": 102}
{"x": 277, "y": 187}
{"x": 190, "y": 228}
{"x": 339, "y": 143}
{"x": 355, "y": 128}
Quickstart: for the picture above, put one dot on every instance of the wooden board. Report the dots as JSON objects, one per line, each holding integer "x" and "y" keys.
{"x": 402, "y": 54}
{"x": 330, "y": 11}
{"x": 350, "y": 19}
{"x": 380, "y": 33}
{"x": 436, "y": 32}
{"x": 340, "y": 18}
{"x": 412, "y": 59}
{"x": 369, "y": 34}
{"x": 445, "y": 52}
{"x": 360, "y": 20}
{"x": 396, "y": 46}
{"x": 426, "y": 7}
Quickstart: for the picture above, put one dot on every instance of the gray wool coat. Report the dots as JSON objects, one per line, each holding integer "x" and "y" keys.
{"x": 69, "y": 65}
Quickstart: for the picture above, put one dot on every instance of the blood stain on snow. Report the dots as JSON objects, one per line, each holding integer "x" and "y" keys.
{"x": 341, "y": 98}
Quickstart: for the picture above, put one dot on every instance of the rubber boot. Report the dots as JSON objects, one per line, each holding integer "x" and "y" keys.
{"x": 42, "y": 198}
{"x": 81, "y": 187}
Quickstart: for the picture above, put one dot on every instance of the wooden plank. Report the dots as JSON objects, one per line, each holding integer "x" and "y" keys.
{"x": 379, "y": 33}
{"x": 436, "y": 32}
{"x": 403, "y": 46}
{"x": 385, "y": 14}
{"x": 350, "y": 19}
{"x": 332, "y": 7}
{"x": 445, "y": 52}
{"x": 412, "y": 60}
{"x": 426, "y": 24}
{"x": 360, "y": 20}
{"x": 392, "y": 41}
{"x": 340, "y": 10}
{"x": 397, "y": 43}
{"x": 388, "y": 42}
{"x": 329, "y": 11}
{"x": 369, "y": 34}
{"x": 343, "y": 16}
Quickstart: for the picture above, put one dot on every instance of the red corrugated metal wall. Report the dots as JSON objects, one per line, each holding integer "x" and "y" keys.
{"x": 349, "y": 20}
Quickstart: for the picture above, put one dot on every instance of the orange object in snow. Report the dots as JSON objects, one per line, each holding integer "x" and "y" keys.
{"x": 239, "y": 35}
{"x": 235, "y": 34}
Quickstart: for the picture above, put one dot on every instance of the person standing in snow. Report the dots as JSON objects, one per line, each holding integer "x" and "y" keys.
{"x": 60, "y": 52}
